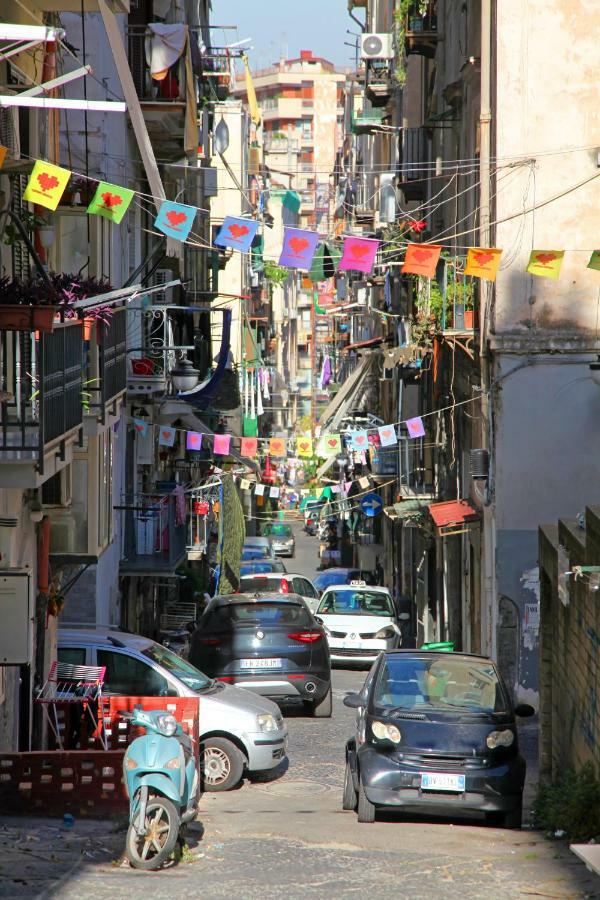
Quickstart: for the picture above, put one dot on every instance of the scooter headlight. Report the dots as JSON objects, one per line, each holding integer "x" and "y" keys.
{"x": 167, "y": 725}
{"x": 130, "y": 763}
{"x": 174, "y": 763}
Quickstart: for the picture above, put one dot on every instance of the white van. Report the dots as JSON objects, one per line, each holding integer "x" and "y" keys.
{"x": 239, "y": 730}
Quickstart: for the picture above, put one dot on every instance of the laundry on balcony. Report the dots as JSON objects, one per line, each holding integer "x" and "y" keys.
{"x": 202, "y": 396}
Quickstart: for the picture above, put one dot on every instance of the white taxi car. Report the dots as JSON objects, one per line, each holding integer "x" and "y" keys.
{"x": 360, "y": 621}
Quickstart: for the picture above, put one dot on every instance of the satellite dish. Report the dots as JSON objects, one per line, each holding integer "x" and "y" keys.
{"x": 221, "y": 137}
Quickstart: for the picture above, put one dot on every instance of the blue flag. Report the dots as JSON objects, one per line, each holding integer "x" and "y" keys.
{"x": 236, "y": 233}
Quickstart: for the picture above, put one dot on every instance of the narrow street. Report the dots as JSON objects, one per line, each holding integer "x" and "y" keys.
{"x": 288, "y": 836}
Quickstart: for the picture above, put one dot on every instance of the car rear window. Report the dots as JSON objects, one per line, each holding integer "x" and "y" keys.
{"x": 254, "y": 583}
{"x": 266, "y": 566}
{"x": 263, "y": 614}
{"x": 449, "y": 682}
{"x": 255, "y": 553}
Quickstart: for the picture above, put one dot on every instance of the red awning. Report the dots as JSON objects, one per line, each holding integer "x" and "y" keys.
{"x": 450, "y": 515}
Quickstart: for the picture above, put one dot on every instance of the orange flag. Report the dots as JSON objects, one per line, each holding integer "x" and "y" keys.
{"x": 3, "y": 152}
{"x": 46, "y": 184}
{"x": 546, "y": 263}
{"x": 249, "y": 447}
{"x": 277, "y": 447}
{"x": 421, "y": 259}
{"x": 483, "y": 262}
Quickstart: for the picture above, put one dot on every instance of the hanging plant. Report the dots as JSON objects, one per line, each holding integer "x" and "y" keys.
{"x": 275, "y": 274}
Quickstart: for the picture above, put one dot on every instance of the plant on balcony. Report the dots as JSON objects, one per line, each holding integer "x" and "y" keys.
{"x": 12, "y": 234}
{"x": 31, "y": 303}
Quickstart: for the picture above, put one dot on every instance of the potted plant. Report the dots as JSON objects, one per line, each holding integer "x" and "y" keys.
{"x": 33, "y": 304}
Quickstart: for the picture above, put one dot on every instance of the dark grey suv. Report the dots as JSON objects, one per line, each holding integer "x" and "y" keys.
{"x": 268, "y": 642}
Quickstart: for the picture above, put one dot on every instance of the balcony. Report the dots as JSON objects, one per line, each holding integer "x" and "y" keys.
{"x": 279, "y": 143}
{"x": 368, "y": 120}
{"x": 83, "y": 6}
{"x": 417, "y": 462}
{"x": 413, "y": 154}
{"x": 42, "y": 409}
{"x": 421, "y": 34}
{"x": 379, "y": 84}
{"x": 106, "y": 379}
{"x": 155, "y": 530}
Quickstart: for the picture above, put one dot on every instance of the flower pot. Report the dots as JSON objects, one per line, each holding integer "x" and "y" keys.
{"x": 88, "y": 324}
{"x": 27, "y": 318}
{"x": 469, "y": 319}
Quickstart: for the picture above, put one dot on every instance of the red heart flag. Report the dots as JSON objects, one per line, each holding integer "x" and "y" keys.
{"x": 298, "y": 245}
{"x": 111, "y": 199}
{"x": 237, "y": 231}
{"x": 176, "y": 218}
{"x": 47, "y": 182}
{"x": 421, "y": 259}
{"x": 359, "y": 254}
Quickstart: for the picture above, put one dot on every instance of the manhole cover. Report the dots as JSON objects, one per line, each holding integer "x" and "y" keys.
{"x": 296, "y": 788}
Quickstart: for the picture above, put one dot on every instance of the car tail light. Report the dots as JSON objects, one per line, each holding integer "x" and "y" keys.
{"x": 209, "y": 641}
{"x": 227, "y": 678}
{"x": 285, "y": 586}
{"x": 306, "y": 637}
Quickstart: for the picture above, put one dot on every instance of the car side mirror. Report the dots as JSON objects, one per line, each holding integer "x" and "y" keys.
{"x": 524, "y": 710}
{"x": 319, "y": 620}
{"x": 353, "y": 701}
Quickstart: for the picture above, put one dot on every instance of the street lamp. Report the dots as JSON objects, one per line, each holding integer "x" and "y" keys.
{"x": 184, "y": 377}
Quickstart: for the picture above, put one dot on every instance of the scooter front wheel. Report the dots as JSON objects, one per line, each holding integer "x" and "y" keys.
{"x": 151, "y": 850}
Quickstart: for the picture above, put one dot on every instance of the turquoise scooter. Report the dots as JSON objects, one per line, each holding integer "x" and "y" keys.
{"x": 162, "y": 783}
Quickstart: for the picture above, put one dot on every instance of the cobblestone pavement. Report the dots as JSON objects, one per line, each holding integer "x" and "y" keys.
{"x": 287, "y": 837}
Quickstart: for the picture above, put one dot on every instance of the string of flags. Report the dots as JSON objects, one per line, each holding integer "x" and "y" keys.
{"x": 48, "y": 182}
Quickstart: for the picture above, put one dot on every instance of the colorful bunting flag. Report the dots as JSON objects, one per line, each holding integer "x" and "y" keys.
{"x": 237, "y": 233}
{"x": 359, "y": 440}
{"x": 221, "y": 444}
{"x": 140, "y": 427}
{"x": 166, "y": 436}
{"x": 304, "y": 446}
{"x": 292, "y": 201}
{"x": 421, "y": 259}
{"x": 274, "y": 493}
{"x": 110, "y": 201}
{"x": 259, "y": 490}
{"x": 364, "y": 483}
{"x": 249, "y": 447}
{"x": 277, "y": 446}
{"x": 330, "y": 445}
{"x": 483, "y": 262}
{"x": 193, "y": 440}
{"x": 175, "y": 219}
{"x": 387, "y": 435}
{"x": 325, "y": 262}
{"x": 415, "y": 427}
{"x": 546, "y": 263}
{"x": 359, "y": 254}
{"x": 244, "y": 484}
{"x": 335, "y": 489}
{"x": 298, "y": 248}
{"x": 3, "y": 152}
{"x": 46, "y": 184}
{"x": 594, "y": 262}
{"x": 347, "y": 486}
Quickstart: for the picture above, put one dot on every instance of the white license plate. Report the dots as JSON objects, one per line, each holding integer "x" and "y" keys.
{"x": 440, "y": 781}
{"x": 260, "y": 663}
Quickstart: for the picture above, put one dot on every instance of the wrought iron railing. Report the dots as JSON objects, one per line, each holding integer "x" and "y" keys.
{"x": 156, "y": 531}
{"x": 42, "y": 379}
{"x": 113, "y": 356}
{"x": 414, "y": 153}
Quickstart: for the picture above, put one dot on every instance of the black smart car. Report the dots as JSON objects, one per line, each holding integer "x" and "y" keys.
{"x": 268, "y": 642}
{"x": 436, "y": 733}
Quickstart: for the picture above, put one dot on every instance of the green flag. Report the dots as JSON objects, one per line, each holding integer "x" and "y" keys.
{"x": 110, "y": 201}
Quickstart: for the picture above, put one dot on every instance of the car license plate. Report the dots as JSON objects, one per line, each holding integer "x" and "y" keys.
{"x": 272, "y": 663}
{"x": 440, "y": 781}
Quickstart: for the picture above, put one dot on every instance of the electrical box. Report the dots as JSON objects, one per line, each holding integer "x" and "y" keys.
{"x": 17, "y": 617}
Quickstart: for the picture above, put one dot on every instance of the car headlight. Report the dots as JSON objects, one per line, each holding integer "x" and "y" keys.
{"x": 500, "y": 738}
{"x": 267, "y": 722}
{"x": 385, "y": 633}
{"x": 167, "y": 725}
{"x": 385, "y": 732}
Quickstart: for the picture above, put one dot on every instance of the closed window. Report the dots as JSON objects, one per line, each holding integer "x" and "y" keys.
{"x": 72, "y": 656}
{"x": 126, "y": 675}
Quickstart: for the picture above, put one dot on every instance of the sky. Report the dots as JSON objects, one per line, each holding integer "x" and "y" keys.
{"x": 284, "y": 27}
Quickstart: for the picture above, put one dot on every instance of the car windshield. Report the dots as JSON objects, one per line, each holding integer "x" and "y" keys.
{"x": 449, "y": 682}
{"x": 192, "y": 677}
{"x": 356, "y": 602}
{"x": 281, "y": 531}
{"x": 264, "y": 614}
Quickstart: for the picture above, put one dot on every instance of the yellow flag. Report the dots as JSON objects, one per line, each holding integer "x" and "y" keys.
{"x": 304, "y": 446}
{"x": 46, "y": 184}
{"x": 252, "y": 103}
{"x": 546, "y": 263}
{"x": 483, "y": 262}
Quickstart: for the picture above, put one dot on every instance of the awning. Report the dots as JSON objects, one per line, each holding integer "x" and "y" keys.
{"x": 333, "y": 414}
{"x": 405, "y": 509}
{"x": 451, "y": 516}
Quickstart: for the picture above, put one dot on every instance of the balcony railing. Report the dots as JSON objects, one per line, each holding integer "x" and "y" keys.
{"x": 42, "y": 390}
{"x": 421, "y": 34}
{"x": 113, "y": 357}
{"x": 416, "y": 466}
{"x": 379, "y": 83}
{"x": 414, "y": 154}
{"x": 155, "y": 532}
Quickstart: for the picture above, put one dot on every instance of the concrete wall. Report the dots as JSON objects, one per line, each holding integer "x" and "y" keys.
{"x": 570, "y": 658}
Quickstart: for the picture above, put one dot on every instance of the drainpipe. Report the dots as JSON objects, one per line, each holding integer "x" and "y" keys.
{"x": 488, "y": 580}
{"x": 353, "y": 17}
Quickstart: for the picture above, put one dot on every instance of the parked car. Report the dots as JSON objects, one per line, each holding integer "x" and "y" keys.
{"x": 282, "y": 539}
{"x": 337, "y": 575}
{"x": 262, "y": 565}
{"x": 360, "y": 621}
{"x": 267, "y": 642}
{"x": 259, "y": 543}
{"x": 238, "y": 730}
{"x": 435, "y": 732}
{"x": 282, "y": 584}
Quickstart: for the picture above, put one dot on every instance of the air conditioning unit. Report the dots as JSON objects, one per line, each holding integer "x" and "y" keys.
{"x": 377, "y": 46}
{"x": 163, "y": 276}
